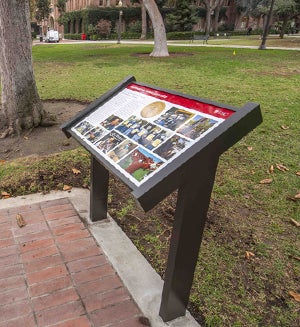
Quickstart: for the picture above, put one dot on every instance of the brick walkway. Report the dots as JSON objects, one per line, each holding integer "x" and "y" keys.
{"x": 52, "y": 272}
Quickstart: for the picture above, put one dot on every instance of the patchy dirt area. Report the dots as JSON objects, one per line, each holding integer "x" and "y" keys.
{"x": 43, "y": 140}
{"x": 171, "y": 54}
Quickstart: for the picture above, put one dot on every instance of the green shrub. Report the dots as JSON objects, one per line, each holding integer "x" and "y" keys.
{"x": 130, "y": 35}
{"x": 180, "y": 35}
{"x": 72, "y": 36}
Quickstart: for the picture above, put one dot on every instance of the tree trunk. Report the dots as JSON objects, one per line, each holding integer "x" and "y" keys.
{"x": 283, "y": 27}
{"x": 207, "y": 21}
{"x": 144, "y": 21}
{"x": 209, "y": 9}
{"x": 160, "y": 37}
{"x": 212, "y": 8}
{"x": 266, "y": 27}
{"x": 21, "y": 106}
{"x": 216, "y": 19}
{"x": 218, "y": 5}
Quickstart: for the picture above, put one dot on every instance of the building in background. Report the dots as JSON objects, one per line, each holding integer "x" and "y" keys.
{"x": 230, "y": 19}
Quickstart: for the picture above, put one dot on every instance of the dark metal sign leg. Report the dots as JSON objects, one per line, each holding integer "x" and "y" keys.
{"x": 98, "y": 191}
{"x": 190, "y": 216}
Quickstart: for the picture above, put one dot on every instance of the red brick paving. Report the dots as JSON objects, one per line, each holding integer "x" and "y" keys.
{"x": 53, "y": 274}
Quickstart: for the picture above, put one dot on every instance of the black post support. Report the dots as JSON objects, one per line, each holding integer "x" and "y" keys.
{"x": 99, "y": 190}
{"x": 190, "y": 216}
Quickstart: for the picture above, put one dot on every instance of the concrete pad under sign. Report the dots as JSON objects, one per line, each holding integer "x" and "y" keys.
{"x": 141, "y": 280}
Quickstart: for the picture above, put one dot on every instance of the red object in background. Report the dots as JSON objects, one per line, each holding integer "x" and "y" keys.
{"x": 83, "y": 36}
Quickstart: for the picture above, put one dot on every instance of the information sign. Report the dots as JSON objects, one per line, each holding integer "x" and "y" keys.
{"x": 156, "y": 141}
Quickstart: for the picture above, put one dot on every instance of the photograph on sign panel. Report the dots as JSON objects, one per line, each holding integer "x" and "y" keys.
{"x": 153, "y": 109}
{"x": 109, "y": 141}
{"x": 195, "y": 127}
{"x": 140, "y": 163}
{"x": 172, "y": 146}
{"x": 153, "y": 136}
{"x": 173, "y": 118}
{"x": 121, "y": 150}
{"x": 94, "y": 134}
{"x": 111, "y": 122}
{"x": 131, "y": 126}
{"x": 83, "y": 127}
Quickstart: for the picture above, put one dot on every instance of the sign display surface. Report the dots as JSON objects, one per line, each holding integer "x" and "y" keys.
{"x": 141, "y": 129}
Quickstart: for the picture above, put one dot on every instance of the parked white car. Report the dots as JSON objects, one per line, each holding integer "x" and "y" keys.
{"x": 52, "y": 36}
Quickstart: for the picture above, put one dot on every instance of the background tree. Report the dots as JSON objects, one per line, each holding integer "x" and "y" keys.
{"x": 216, "y": 16}
{"x": 160, "y": 38}
{"x": 61, "y": 6}
{"x": 266, "y": 26}
{"x": 144, "y": 20}
{"x": 211, "y": 6}
{"x": 285, "y": 10}
{"x": 255, "y": 8}
{"x": 32, "y": 6}
{"x": 43, "y": 9}
{"x": 21, "y": 107}
{"x": 183, "y": 17}
{"x": 103, "y": 28}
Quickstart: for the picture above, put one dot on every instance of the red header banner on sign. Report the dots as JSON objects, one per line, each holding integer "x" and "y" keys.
{"x": 213, "y": 110}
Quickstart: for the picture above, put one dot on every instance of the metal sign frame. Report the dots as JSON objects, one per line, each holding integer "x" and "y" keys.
{"x": 192, "y": 172}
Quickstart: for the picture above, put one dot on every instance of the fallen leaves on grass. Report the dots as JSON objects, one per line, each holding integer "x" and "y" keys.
{"x": 271, "y": 169}
{"x": 250, "y": 148}
{"x": 76, "y": 171}
{"x": 295, "y": 222}
{"x": 295, "y": 295}
{"x": 20, "y": 220}
{"x": 67, "y": 188}
{"x": 298, "y": 173}
{"x": 266, "y": 181}
{"x": 281, "y": 167}
{"x": 294, "y": 198}
{"x": 249, "y": 255}
{"x": 284, "y": 127}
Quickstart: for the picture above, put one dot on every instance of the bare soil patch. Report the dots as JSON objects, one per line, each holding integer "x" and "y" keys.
{"x": 43, "y": 140}
{"x": 171, "y": 54}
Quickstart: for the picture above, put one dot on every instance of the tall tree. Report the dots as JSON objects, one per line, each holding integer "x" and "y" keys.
{"x": 285, "y": 10}
{"x": 183, "y": 17}
{"x": 211, "y": 6}
{"x": 160, "y": 38}
{"x": 216, "y": 16}
{"x": 21, "y": 107}
{"x": 32, "y": 6}
{"x": 43, "y": 9}
{"x": 266, "y": 27}
{"x": 61, "y": 6}
{"x": 144, "y": 20}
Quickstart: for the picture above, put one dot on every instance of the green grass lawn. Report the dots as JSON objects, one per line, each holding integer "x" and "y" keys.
{"x": 228, "y": 289}
{"x": 292, "y": 41}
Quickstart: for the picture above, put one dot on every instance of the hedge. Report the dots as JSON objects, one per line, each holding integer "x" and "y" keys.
{"x": 74, "y": 36}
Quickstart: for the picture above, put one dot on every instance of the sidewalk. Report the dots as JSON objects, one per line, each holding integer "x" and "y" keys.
{"x": 170, "y": 43}
{"x": 60, "y": 270}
